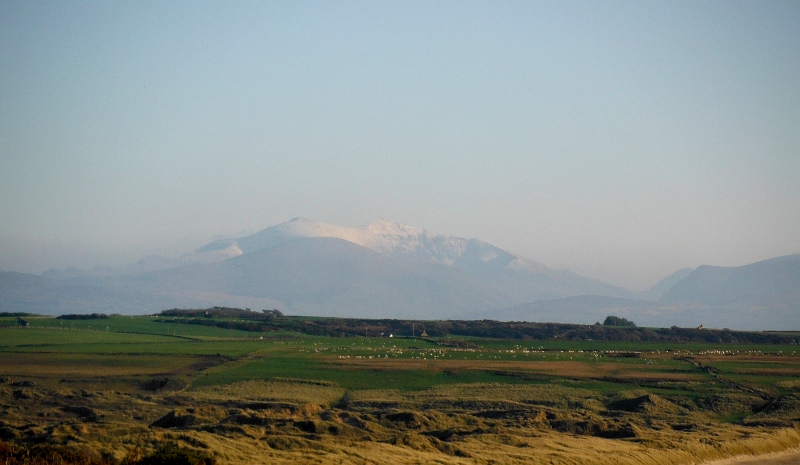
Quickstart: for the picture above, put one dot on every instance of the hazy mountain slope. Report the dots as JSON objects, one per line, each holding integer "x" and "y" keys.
{"x": 386, "y": 269}
{"x": 150, "y": 263}
{"x": 590, "y": 309}
{"x": 335, "y": 277}
{"x": 409, "y": 270}
{"x": 316, "y": 275}
{"x": 332, "y": 276}
{"x": 769, "y": 282}
{"x": 512, "y": 278}
{"x": 502, "y": 277}
{"x": 760, "y": 296}
{"x": 145, "y": 293}
{"x": 661, "y": 287}
{"x": 211, "y": 253}
{"x": 20, "y": 292}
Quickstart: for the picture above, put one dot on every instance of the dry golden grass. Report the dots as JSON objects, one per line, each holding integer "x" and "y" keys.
{"x": 499, "y": 449}
{"x": 297, "y": 391}
{"x": 789, "y": 457}
{"x": 659, "y": 417}
{"x": 416, "y": 428}
{"x": 790, "y": 384}
{"x": 490, "y": 392}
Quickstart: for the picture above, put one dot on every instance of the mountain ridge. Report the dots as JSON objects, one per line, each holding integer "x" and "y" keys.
{"x": 775, "y": 280}
{"x": 383, "y": 268}
{"x": 388, "y": 269}
{"x": 387, "y": 237}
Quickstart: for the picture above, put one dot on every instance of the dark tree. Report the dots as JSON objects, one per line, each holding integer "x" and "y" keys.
{"x": 617, "y": 321}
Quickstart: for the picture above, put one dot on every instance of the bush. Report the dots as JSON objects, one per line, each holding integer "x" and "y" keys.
{"x": 617, "y": 321}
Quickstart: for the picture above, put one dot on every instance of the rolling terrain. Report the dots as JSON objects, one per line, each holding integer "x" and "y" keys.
{"x": 120, "y": 389}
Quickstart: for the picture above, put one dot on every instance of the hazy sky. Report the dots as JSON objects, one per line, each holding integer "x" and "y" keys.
{"x": 622, "y": 140}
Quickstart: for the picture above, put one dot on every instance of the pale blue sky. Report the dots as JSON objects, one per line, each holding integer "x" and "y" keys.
{"x": 622, "y": 140}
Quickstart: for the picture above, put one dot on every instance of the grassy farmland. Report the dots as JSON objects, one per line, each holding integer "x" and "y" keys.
{"x": 246, "y": 389}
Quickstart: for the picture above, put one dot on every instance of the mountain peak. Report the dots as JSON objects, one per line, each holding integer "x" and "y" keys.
{"x": 392, "y": 239}
{"x": 387, "y": 227}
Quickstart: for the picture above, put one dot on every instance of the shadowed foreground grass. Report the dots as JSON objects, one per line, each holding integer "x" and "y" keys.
{"x": 167, "y": 453}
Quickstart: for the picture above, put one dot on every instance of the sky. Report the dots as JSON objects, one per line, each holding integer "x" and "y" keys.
{"x": 621, "y": 140}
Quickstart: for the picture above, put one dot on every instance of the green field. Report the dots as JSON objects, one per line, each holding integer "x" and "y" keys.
{"x": 427, "y": 399}
{"x": 391, "y": 363}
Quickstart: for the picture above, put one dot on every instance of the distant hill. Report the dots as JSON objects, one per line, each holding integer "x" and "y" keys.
{"x": 760, "y": 296}
{"x": 390, "y": 270}
{"x": 336, "y": 277}
{"x": 766, "y": 283}
{"x": 407, "y": 271}
{"x": 388, "y": 238}
{"x": 302, "y": 266}
{"x": 661, "y": 287}
{"x": 22, "y": 292}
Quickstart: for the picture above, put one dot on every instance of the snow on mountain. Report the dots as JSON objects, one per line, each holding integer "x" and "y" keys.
{"x": 390, "y": 270}
{"x": 388, "y": 238}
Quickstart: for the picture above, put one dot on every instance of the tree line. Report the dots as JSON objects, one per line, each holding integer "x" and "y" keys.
{"x": 613, "y": 329}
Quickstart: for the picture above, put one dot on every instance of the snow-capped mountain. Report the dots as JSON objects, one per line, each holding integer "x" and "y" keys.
{"x": 390, "y": 270}
{"x": 387, "y": 237}
{"x": 384, "y": 269}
